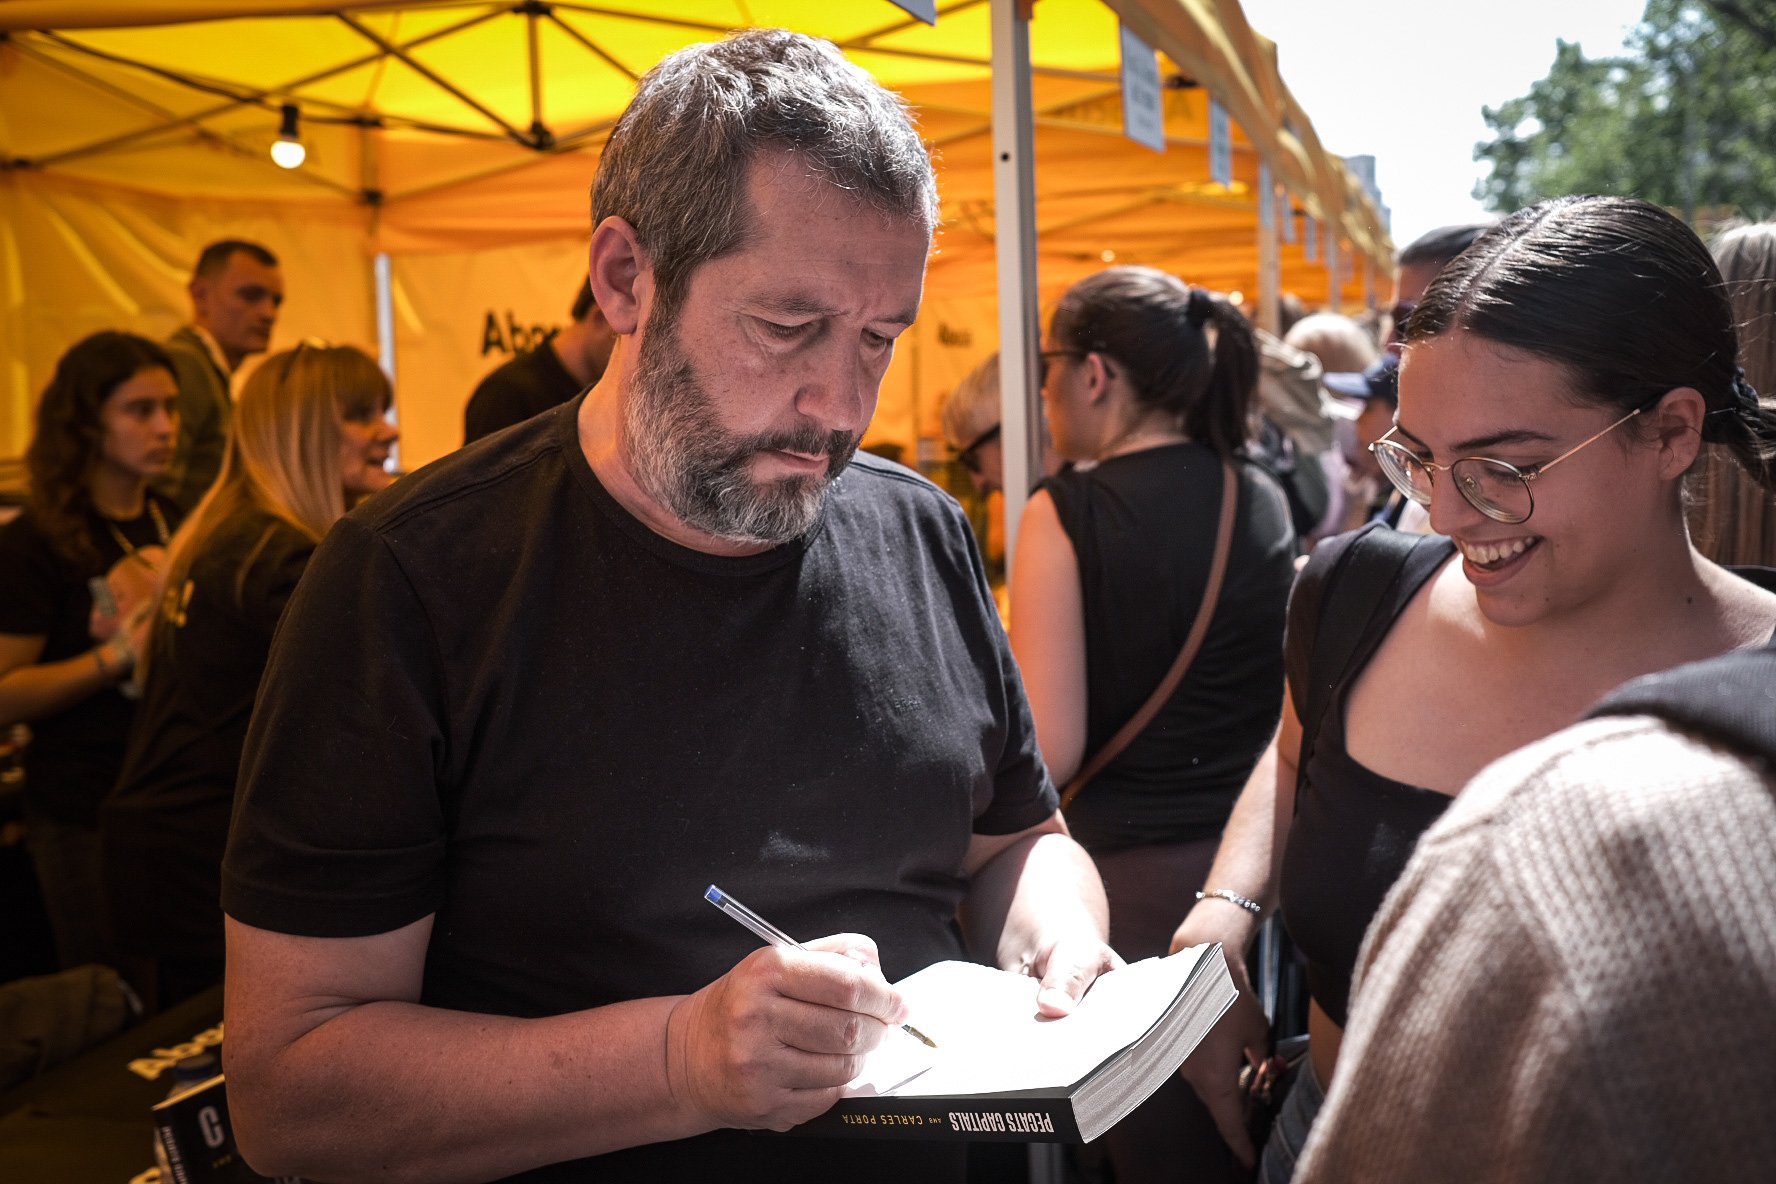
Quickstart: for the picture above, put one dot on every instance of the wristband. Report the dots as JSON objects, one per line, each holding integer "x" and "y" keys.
{"x": 1232, "y": 897}
{"x": 122, "y": 655}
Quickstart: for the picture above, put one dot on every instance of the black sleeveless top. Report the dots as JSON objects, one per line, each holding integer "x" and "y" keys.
{"x": 1354, "y": 829}
{"x": 1143, "y": 528}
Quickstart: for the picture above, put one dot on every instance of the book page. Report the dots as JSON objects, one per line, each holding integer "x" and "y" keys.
{"x": 990, "y": 1039}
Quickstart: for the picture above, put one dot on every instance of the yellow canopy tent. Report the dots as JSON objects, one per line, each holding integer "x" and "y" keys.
{"x": 442, "y": 207}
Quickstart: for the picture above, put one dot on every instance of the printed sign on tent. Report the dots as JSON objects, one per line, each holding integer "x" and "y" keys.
{"x": 1143, "y": 111}
{"x": 1220, "y": 145}
{"x": 925, "y": 10}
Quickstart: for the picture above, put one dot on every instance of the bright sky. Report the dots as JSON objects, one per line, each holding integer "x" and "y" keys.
{"x": 1404, "y": 81}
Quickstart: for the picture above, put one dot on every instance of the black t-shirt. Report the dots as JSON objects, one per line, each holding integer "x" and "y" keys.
{"x": 1143, "y": 528}
{"x": 527, "y": 385}
{"x": 499, "y": 698}
{"x": 165, "y": 825}
{"x": 73, "y": 757}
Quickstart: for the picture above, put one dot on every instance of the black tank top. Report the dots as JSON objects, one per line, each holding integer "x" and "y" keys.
{"x": 1143, "y": 528}
{"x": 1354, "y": 830}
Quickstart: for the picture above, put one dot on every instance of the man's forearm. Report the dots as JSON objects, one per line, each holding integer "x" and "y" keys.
{"x": 1030, "y": 894}
{"x": 397, "y": 1091}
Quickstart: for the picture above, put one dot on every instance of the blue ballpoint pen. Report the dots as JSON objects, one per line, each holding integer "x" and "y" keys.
{"x": 772, "y": 935}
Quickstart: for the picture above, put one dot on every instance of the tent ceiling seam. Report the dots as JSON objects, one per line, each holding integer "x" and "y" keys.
{"x": 594, "y": 48}
{"x": 247, "y": 98}
{"x": 432, "y": 76}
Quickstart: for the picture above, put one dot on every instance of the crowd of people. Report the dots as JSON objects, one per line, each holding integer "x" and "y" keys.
{"x": 431, "y": 774}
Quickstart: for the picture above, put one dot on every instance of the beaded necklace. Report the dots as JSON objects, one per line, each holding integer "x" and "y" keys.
{"x": 129, "y": 548}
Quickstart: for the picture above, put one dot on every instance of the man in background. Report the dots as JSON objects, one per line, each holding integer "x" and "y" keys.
{"x": 1367, "y": 496}
{"x": 236, "y": 290}
{"x": 551, "y": 374}
{"x": 1419, "y": 264}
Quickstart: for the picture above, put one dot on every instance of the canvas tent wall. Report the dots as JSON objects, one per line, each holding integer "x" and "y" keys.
{"x": 456, "y": 142}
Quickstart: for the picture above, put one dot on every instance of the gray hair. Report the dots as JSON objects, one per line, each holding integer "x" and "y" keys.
{"x": 1338, "y": 342}
{"x": 676, "y": 163}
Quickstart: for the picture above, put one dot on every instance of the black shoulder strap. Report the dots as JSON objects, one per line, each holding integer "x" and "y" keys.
{"x": 1350, "y": 614}
{"x": 1730, "y": 700}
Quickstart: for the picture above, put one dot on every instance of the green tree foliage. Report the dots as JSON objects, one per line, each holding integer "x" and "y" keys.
{"x": 1685, "y": 116}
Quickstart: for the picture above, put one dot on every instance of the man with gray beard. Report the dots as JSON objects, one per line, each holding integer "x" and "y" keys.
{"x": 528, "y": 704}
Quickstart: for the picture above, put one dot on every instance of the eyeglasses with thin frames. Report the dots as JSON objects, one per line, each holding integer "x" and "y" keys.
{"x": 1498, "y": 489}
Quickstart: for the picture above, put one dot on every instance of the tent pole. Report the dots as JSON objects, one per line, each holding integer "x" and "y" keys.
{"x": 1270, "y": 276}
{"x": 385, "y": 337}
{"x": 539, "y": 131}
{"x": 1014, "y": 203}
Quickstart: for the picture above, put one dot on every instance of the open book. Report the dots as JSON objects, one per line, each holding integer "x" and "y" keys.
{"x": 1001, "y": 1072}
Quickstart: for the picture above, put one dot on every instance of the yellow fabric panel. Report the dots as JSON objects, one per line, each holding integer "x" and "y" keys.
{"x": 143, "y": 170}
{"x": 458, "y": 316}
{"x": 96, "y": 14}
{"x": 75, "y": 259}
{"x": 587, "y": 62}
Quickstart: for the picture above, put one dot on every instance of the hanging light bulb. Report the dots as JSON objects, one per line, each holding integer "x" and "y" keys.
{"x": 287, "y": 151}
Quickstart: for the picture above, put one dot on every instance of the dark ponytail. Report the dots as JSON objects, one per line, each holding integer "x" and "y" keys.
{"x": 1156, "y": 328}
{"x": 1222, "y": 417}
{"x": 1746, "y": 428}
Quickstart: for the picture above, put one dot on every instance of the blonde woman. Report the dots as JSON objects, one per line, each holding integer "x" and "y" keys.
{"x": 309, "y": 439}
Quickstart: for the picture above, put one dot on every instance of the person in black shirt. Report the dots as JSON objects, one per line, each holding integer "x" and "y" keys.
{"x": 1557, "y": 382}
{"x": 528, "y": 704}
{"x": 309, "y": 437}
{"x": 1150, "y": 385}
{"x": 549, "y": 375}
{"x": 77, "y": 576}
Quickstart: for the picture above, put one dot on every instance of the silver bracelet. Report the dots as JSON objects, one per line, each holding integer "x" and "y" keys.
{"x": 1232, "y": 897}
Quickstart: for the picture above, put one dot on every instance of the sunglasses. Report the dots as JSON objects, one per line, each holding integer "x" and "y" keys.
{"x": 969, "y": 456}
{"x": 1042, "y": 360}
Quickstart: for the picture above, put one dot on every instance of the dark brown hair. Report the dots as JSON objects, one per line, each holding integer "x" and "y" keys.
{"x": 1621, "y": 294}
{"x": 65, "y": 445}
{"x": 1154, "y": 325}
{"x": 214, "y": 258}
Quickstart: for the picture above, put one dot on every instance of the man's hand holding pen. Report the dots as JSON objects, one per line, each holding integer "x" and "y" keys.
{"x": 772, "y": 1043}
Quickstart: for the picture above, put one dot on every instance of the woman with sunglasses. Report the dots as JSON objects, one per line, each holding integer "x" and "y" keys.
{"x": 1149, "y": 387}
{"x": 77, "y": 577}
{"x": 1558, "y": 380}
{"x": 309, "y": 438}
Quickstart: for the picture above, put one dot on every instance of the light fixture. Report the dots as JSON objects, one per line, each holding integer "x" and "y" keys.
{"x": 287, "y": 151}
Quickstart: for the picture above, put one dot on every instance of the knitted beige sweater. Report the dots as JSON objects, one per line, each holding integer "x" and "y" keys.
{"x": 1574, "y": 980}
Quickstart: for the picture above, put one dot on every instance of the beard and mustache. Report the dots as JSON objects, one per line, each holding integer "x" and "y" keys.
{"x": 686, "y": 461}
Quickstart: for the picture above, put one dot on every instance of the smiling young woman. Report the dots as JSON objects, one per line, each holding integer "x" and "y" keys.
{"x": 1558, "y": 380}
{"x": 308, "y": 439}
